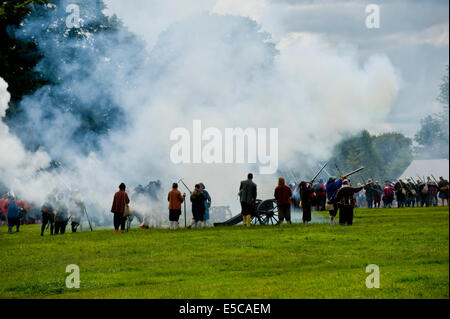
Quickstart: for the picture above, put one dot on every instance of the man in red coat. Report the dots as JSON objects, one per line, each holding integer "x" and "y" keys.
{"x": 283, "y": 194}
{"x": 118, "y": 208}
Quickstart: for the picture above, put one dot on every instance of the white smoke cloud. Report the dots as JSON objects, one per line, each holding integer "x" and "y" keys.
{"x": 18, "y": 167}
{"x": 223, "y": 70}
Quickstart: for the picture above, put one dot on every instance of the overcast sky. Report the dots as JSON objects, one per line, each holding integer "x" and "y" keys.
{"x": 414, "y": 34}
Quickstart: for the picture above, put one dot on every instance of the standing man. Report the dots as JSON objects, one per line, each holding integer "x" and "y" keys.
{"x": 118, "y": 208}
{"x": 198, "y": 206}
{"x": 321, "y": 195}
{"x": 443, "y": 190}
{"x": 207, "y": 204}
{"x": 370, "y": 193}
{"x": 411, "y": 193}
{"x": 432, "y": 192}
{"x": 332, "y": 189}
{"x": 247, "y": 196}
{"x": 378, "y": 192}
{"x": 283, "y": 194}
{"x": 422, "y": 189}
{"x": 77, "y": 209}
{"x": 13, "y": 214}
{"x": 48, "y": 213}
{"x": 175, "y": 200}
{"x": 400, "y": 193}
{"x": 345, "y": 202}
{"x": 388, "y": 194}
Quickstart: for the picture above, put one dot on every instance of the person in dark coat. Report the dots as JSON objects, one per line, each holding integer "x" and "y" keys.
{"x": 410, "y": 193}
{"x": 13, "y": 214}
{"x": 62, "y": 216}
{"x": 400, "y": 193}
{"x": 247, "y": 196}
{"x": 305, "y": 196}
{"x": 48, "y": 214}
{"x": 388, "y": 195}
{"x": 207, "y": 203}
{"x": 370, "y": 193}
{"x": 345, "y": 202}
{"x": 321, "y": 195}
{"x": 118, "y": 208}
{"x": 378, "y": 192}
{"x": 78, "y": 209}
{"x": 332, "y": 188}
{"x": 423, "y": 193}
{"x": 433, "y": 190}
{"x": 198, "y": 206}
{"x": 283, "y": 194}
{"x": 443, "y": 190}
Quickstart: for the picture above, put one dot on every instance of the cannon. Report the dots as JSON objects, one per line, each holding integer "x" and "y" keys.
{"x": 266, "y": 213}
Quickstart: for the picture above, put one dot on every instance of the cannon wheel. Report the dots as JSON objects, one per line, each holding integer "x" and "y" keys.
{"x": 266, "y": 213}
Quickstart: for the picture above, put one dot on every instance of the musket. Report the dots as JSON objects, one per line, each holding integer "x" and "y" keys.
{"x": 320, "y": 171}
{"x": 181, "y": 180}
{"x": 420, "y": 178}
{"x": 87, "y": 216}
{"x": 353, "y": 172}
{"x": 339, "y": 171}
{"x": 362, "y": 179}
{"x": 291, "y": 175}
{"x": 326, "y": 172}
{"x": 434, "y": 179}
{"x": 295, "y": 176}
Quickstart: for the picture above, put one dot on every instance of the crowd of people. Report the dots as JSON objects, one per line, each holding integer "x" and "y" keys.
{"x": 407, "y": 193}
{"x": 338, "y": 195}
{"x": 59, "y": 209}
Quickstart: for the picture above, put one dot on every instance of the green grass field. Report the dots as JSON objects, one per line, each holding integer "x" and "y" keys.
{"x": 410, "y": 246}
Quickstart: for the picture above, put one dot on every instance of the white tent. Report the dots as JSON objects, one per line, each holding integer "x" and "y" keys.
{"x": 426, "y": 168}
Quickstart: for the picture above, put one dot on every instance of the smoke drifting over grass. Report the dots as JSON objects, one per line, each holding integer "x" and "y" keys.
{"x": 222, "y": 69}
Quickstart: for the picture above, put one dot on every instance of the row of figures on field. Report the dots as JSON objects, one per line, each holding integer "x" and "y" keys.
{"x": 407, "y": 193}
{"x": 401, "y": 193}
{"x": 59, "y": 209}
{"x": 338, "y": 195}
{"x": 199, "y": 197}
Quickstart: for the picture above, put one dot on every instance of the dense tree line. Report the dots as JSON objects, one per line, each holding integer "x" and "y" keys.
{"x": 433, "y": 136}
{"x": 384, "y": 156}
{"x": 18, "y": 58}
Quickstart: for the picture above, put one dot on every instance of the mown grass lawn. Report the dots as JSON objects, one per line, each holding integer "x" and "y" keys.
{"x": 410, "y": 246}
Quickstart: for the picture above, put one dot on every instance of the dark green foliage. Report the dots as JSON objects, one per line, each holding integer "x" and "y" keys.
{"x": 17, "y": 57}
{"x": 384, "y": 156}
{"x": 65, "y": 72}
{"x": 433, "y": 135}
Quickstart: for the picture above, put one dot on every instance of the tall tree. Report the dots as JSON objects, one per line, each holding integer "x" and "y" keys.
{"x": 433, "y": 135}
{"x": 384, "y": 156}
{"x": 80, "y": 67}
{"x": 18, "y": 58}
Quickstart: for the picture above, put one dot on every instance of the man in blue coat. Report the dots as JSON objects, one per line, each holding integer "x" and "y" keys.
{"x": 13, "y": 215}
{"x": 332, "y": 189}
